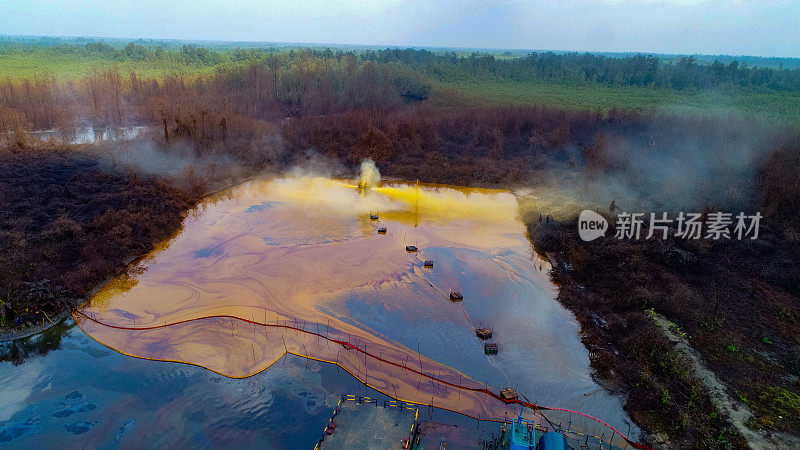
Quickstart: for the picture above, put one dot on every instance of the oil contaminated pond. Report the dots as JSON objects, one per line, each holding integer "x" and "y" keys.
{"x": 277, "y": 296}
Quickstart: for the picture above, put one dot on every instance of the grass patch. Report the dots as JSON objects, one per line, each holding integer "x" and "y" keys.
{"x": 772, "y": 105}
{"x": 779, "y": 408}
{"x": 21, "y": 66}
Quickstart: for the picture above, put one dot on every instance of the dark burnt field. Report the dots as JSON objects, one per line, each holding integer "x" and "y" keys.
{"x": 69, "y": 222}
{"x": 736, "y": 302}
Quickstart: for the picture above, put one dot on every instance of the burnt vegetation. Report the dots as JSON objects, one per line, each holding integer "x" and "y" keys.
{"x": 68, "y": 223}
{"x": 733, "y": 301}
{"x": 74, "y": 215}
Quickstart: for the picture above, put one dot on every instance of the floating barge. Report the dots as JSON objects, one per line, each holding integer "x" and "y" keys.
{"x": 490, "y": 348}
{"x": 411, "y": 248}
{"x": 382, "y": 230}
{"x": 373, "y": 217}
{"x": 364, "y": 422}
{"x": 428, "y": 263}
{"x": 456, "y": 296}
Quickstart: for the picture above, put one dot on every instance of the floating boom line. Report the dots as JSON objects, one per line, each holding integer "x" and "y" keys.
{"x": 349, "y": 346}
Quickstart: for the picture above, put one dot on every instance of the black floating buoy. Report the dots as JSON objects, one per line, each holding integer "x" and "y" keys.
{"x": 508, "y": 395}
{"x": 456, "y": 296}
{"x": 382, "y": 230}
{"x": 428, "y": 263}
{"x": 483, "y": 333}
{"x": 490, "y": 348}
{"x": 411, "y": 248}
{"x": 373, "y": 217}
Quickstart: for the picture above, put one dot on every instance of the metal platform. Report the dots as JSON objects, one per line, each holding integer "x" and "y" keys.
{"x": 364, "y": 422}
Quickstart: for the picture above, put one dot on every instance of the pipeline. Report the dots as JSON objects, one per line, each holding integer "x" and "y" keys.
{"x": 348, "y": 346}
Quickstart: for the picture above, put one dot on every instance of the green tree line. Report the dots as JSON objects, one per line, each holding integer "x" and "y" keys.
{"x": 641, "y": 70}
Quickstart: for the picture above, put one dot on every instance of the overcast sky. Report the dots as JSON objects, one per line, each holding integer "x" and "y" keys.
{"x": 736, "y": 27}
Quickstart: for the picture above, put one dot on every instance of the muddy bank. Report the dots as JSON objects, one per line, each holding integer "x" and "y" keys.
{"x": 18, "y": 334}
{"x": 15, "y": 334}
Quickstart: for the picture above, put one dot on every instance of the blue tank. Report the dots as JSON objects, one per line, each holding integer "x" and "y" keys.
{"x": 525, "y": 436}
{"x": 552, "y": 440}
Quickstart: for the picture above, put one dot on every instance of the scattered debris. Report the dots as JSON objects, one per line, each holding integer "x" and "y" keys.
{"x": 490, "y": 348}
{"x": 599, "y": 321}
{"x": 483, "y": 333}
{"x": 456, "y": 296}
{"x": 382, "y": 230}
{"x": 428, "y": 263}
{"x": 411, "y": 248}
{"x": 593, "y": 392}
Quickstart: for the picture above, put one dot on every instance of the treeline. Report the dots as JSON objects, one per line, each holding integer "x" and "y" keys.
{"x": 214, "y": 107}
{"x": 477, "y": 147}
{"x": 667, "y": 160}
{"x": 185, "y": 54}
{"x": 637, "y": 70}
{"x": 641, "y": 70}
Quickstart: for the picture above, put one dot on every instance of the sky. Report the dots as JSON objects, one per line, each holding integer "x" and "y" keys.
{"x": 733, "y": 27}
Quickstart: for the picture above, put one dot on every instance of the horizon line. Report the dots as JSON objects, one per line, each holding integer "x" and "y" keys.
{"x": 263, "y": 44}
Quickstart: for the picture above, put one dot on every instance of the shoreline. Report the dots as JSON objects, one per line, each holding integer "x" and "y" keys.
{"x": 17, "y": 334}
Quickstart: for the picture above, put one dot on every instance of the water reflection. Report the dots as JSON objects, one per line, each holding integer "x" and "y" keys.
{"x": 91, "y": 135}
{"x": 83, "y": 395}
{"x": 20, "y": 350}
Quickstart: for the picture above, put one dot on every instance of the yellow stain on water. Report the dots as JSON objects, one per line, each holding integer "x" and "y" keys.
{"x": 449, "y": 203}
{"x": 117, "y": 286}
{"x": 287, "y": 251}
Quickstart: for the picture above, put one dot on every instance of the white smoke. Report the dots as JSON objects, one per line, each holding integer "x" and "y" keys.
{"x": 370, "y": 175}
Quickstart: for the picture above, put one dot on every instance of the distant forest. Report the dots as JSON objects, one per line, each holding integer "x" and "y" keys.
{"x": 641, "y": 70}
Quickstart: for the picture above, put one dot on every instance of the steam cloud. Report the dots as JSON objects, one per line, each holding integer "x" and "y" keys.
{"x": 370, "y": 175}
